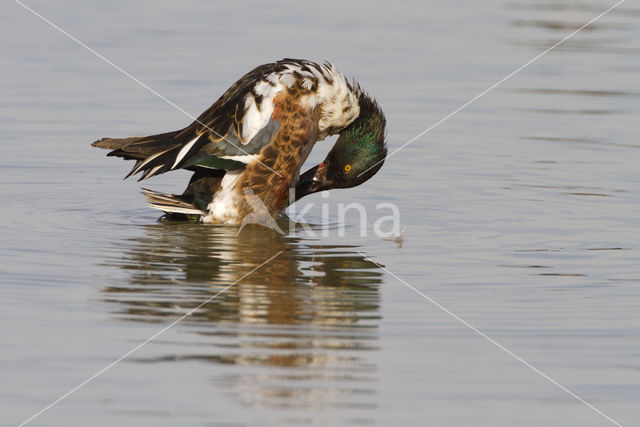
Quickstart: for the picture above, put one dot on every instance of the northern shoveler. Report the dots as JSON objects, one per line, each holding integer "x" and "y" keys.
{"x": 353, "y": 159}
{"x": 255, "y": 138}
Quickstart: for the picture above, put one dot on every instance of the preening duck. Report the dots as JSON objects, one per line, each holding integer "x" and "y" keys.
{"x": 353, "y": 160}
{"x": 256, "y": 136}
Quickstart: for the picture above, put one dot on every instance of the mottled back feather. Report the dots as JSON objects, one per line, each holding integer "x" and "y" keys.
{"x": 240, "y": 123}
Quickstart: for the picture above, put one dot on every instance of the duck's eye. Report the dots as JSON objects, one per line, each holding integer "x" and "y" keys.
{"x": 347, "y": 168}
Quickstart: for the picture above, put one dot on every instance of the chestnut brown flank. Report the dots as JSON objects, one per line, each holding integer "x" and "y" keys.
{"x": 285, "y": 154}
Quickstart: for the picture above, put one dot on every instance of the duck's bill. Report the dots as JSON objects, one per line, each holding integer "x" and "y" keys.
{"x": 312, "y": 181}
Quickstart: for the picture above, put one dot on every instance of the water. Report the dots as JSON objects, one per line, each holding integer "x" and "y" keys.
{"x": 520, "y": 215}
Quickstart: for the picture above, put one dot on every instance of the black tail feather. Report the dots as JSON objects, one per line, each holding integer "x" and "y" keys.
{"x": 154, "y": 154}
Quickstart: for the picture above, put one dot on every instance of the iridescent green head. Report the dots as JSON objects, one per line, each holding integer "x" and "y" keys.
{"x": 357, "y": 155}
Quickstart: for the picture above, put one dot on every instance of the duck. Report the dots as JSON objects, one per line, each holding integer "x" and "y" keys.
{"x": 253, "y": 141}
{"x": 357, "y": 155}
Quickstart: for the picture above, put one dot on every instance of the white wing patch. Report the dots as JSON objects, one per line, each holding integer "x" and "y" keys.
{"x": 183, "y": 152}
{"x": 147, "y": 160}
{"x": 249, "y": 158}
{"x": 255, "y": 119}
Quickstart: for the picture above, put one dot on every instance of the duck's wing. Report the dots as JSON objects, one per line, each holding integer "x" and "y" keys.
{"x": 226, "y": 136}
{"x": 230, "y": 133}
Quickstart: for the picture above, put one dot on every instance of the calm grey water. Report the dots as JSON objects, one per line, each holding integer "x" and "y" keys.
{"x": 521, "y": 216}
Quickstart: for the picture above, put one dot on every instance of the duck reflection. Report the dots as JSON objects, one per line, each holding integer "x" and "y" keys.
{"x": 314, "y": 308}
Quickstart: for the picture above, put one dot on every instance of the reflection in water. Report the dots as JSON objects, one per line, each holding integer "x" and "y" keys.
{"x": 309, "y": 317}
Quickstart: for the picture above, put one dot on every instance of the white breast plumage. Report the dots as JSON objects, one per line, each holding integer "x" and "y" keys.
{"x": 223, "y": 209}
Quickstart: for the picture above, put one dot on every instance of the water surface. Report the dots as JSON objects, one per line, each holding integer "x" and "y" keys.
{"x": 521, "y": 216}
